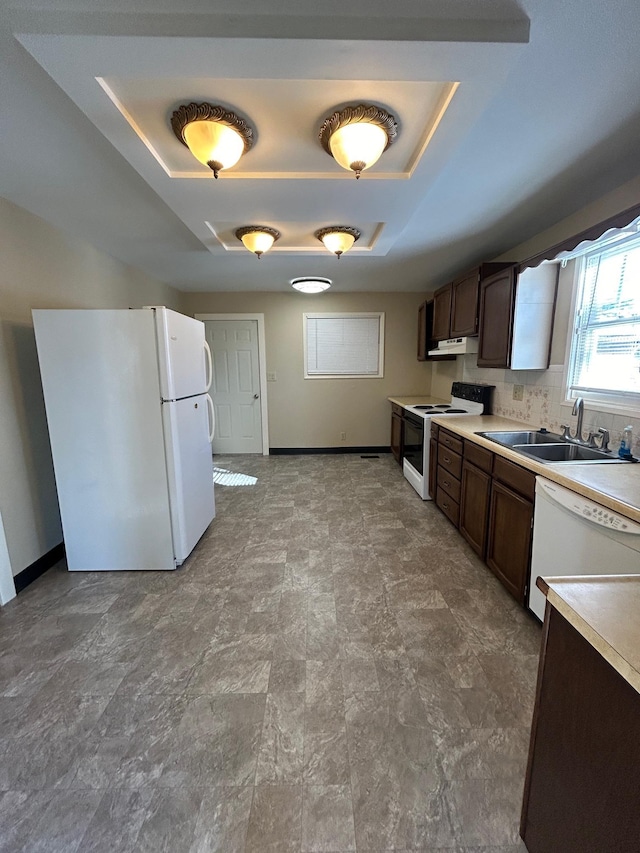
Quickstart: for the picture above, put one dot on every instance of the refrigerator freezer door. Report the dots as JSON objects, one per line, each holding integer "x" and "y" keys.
{"x": 102, "y": 397}
{"x": 181, "y": 353}
{"x": 190, "y": 468}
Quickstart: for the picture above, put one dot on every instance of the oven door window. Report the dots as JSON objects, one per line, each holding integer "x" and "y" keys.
{"x": 413, "y": 438}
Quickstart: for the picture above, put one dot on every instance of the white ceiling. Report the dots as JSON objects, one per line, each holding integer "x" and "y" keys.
{"x": 511, "y": 116}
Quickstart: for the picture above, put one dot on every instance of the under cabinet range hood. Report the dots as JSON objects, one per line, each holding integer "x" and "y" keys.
{"x": 455, "y": 346}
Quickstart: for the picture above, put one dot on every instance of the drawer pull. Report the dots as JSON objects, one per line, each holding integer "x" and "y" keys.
{"x": 446, "y": 483}
{"x": 447, "y": 459}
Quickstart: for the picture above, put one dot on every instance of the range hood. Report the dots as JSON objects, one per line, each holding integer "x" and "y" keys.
{"x": 455, "y": 346}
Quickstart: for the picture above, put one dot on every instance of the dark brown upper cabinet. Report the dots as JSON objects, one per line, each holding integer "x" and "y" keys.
{"x": 442, "y": 313}
{"x": 516, "y": 317}
{"x": 455, "y": 312}
{"x": 497, "y": 302}
{"x": 426, "y": 341}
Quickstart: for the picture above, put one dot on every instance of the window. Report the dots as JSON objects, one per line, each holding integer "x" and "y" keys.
{"x": 343, "y": 346}
{"x": 605, "y": 351}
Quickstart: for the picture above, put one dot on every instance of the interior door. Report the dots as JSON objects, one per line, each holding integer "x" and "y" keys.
{"x": 236, "y": 385}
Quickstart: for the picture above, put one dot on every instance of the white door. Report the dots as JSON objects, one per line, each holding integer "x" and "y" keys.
{"x": 236, "y": 385}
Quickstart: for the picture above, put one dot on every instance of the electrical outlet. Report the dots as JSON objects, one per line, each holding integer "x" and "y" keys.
{"x": 271, "y": 376}
{"x": 518, "y": 392}
{"x": 343, "y": 436}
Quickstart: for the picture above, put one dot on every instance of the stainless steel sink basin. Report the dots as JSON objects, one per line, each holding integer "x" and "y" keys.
{"x": 547, "y": 446}
{"x": 509, "y": 439}
{"x": 565, "y": 452}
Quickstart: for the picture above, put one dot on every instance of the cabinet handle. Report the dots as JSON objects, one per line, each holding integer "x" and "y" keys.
{"x": 447, "y": 459}
{"x": 446, "y": 483}
{"x": 445, "y": 506}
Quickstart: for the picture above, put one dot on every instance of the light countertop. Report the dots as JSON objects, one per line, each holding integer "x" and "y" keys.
{"x": 606, "y": 612}
{"x": 615, "y": 486}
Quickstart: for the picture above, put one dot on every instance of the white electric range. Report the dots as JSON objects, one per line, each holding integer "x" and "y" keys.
{"x": 467, "y": 398}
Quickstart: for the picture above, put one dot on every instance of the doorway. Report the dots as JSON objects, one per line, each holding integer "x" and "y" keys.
{"x": 239, "y": 382}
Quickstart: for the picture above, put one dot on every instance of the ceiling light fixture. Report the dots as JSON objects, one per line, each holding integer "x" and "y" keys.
{"x": 356, "y": 136}
{"x": 338, "y": 238}
{"x": 311, "y": 284}
{"x": 215, "y": 136}
{"x": 257, "y": 238}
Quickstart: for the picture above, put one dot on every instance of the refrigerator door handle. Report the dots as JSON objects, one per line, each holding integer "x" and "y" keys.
{"x": 212, "y": 419}
{"x": 207, "y": 350}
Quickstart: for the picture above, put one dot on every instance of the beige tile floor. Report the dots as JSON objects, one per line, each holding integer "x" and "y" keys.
{"x": 331, "y": 670}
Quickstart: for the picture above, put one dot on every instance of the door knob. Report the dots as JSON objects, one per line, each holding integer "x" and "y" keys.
{"x": 255, "y": 396}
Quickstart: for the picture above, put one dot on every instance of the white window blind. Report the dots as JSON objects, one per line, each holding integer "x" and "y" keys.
{"x": 344, "y": 345}
{"x": 606, "y": 346}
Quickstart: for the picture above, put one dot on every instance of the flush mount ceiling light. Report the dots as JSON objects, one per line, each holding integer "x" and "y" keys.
{"x": 215, "y": 136}
{"x": 356, "y": 136}
{"x": 257, "y": 238}
{"x": 311, "y": 284}
{"x": 338, "y": 238}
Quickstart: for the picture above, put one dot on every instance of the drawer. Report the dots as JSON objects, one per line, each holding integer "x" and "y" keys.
{"x": 519, "y": 479}
{"x": 448, "y": 483}
{"x": 434, "y": 430}
{"x": 448, "y": 506}
{"x": 478, "y": 456}
{"x": 396, "y": 409}
{"x": 452, "y": 462}
{"x": 450, "y": 440}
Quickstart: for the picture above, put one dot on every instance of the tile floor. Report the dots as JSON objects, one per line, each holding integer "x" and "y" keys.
{"x": 331, "y": 670}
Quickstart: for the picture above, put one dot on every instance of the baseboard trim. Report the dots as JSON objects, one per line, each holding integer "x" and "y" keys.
{"x": 303, "y": 451}
{"x": 41, "y": 565}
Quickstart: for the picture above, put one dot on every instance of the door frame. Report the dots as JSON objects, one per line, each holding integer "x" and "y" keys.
{"x": 262, "y": 366}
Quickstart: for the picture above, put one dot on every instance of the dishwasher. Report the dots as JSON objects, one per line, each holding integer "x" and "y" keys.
{"x": 575, "y": 536}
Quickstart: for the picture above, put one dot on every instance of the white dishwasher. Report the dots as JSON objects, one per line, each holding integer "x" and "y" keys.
{"x": 575, "y": 536}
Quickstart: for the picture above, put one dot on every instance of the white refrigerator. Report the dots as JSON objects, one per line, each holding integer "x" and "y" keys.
{"x": 130, "y": 424}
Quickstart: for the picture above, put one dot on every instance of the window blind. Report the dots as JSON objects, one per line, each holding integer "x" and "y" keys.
{"x": 606, "y": 353}
{"x": 340, "y": 345}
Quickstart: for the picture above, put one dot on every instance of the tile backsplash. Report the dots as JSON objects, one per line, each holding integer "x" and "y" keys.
{"x": 541, "y": 401}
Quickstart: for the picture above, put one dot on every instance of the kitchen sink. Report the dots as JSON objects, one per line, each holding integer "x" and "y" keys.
{"x": 547, "y": 446}
{"x": 565, "y": 452}
{"x": 509, "y": 439}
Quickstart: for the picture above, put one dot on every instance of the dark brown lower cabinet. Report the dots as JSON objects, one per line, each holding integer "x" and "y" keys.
{"x": 433, "y": 467}
{"x": 509, "y": 539}
{"x": 583, "y": 777}
{"x": 474, "y": 506}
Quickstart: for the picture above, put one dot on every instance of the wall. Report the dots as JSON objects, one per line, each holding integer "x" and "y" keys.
{"x": 313, "y": 413}
{"x": 543, "y": 403}
{"x": 43, "y": 268}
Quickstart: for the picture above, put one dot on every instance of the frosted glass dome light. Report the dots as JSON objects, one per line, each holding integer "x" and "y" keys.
{"x": 356, "y": 136}
{"x": 216, "y": 137}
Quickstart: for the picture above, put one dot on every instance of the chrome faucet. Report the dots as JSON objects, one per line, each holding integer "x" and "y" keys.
{"x": 578, "y": 409}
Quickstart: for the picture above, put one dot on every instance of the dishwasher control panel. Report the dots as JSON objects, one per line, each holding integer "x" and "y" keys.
{"x": 593, "y": 512}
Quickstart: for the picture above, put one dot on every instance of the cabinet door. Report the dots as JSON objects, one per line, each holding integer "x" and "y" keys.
{"x": 423, "y": 332}
{"x": 396, "y": 436}
{"x": 464, "y": 305}
{"x": 474, "y": 506}
{"x": 583, "y": 776}
{"x": 433, "y": 467}
{"x": 442, "y": 313}
{"x": 497, "y": 297}
{"x": 509, "y": 542}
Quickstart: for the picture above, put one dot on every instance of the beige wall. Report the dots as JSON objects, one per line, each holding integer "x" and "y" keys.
{"x": 313, "y": 412}
{"x": 43, "y": 268}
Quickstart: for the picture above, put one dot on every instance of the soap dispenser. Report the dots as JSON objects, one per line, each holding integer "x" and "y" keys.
{"x": 626, "y": 442}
